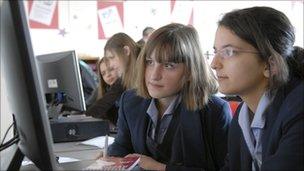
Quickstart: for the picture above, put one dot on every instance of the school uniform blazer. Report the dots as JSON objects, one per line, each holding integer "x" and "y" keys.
{"x": 105, "y": 107}
{"x": 283, "y": 136}
{"x": 188, "y": 149}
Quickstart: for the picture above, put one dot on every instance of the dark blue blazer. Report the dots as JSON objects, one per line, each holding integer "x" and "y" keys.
{"x": 283, "y": 137}
{"x": 188, "y": 148}
{"x": 105, "y": 107}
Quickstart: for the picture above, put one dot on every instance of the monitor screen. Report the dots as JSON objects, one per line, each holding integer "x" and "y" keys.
{"x": 61, "y": 80}
{"x": 24, "y": 91}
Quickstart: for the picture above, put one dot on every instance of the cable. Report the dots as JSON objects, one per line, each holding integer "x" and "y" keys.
{"x": 9, "y": 143}
{"x": 6, "y": 133}
{"x": 13, "y": 140}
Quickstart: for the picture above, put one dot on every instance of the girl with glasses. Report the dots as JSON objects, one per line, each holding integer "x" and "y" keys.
{"x": 172, "y": 120}
{"x": 256, "y": 60}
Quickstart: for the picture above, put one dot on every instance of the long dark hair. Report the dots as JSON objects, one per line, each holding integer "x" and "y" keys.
{"x": 271, "y": 33}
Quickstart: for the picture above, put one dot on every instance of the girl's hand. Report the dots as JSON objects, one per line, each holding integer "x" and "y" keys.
{"x": 149, "y": 163}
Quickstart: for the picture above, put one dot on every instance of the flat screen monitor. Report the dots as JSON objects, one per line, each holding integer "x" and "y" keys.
{"x": 61, "y": 80}
{"x": 24, "y": 92}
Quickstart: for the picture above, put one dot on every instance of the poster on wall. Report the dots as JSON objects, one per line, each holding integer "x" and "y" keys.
{"x": 43, "y": 14}
{"x": 110, "y": 18}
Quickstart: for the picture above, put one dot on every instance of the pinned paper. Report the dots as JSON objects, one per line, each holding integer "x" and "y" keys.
{"x": 110, "y": 21}
{"x": 110, "y": 18}
{"x": 42, "y": 11}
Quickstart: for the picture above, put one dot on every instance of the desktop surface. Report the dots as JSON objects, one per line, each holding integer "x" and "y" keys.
{"x": 84, "y": 153}
{"x": 78, "y": 165}
{"x": 76, "y": 150}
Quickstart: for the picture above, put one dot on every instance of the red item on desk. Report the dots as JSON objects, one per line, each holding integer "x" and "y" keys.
{"x": 115, "y": 163}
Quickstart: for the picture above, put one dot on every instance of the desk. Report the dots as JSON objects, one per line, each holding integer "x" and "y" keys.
{"x": 86, "y": 154}
{"x": 76, "y": 150}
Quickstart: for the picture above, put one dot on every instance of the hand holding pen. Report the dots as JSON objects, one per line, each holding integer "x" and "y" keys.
{"x": 104, "y": 152}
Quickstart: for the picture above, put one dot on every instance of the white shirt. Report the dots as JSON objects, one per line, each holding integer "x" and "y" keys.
{"x": 253, "y": 132}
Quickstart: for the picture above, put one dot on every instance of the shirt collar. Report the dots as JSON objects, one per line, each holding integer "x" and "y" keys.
{"x": 259, "y": 117}
{"x": 172, "y": 106}
{"x": 152, "y": 110}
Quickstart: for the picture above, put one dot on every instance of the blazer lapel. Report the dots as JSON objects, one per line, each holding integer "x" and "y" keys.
{"x": 141, "y": 127}
{"x": 277, "y": 113}
{"x": 246, "y": 159}
{"x": 191, "y": 135}
{"x": 271, "y": 117}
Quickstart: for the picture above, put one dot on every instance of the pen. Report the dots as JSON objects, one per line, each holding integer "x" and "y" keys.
{"x": 105, "y": 149}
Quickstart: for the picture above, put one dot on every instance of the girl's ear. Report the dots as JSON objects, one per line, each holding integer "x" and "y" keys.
{"x": 266, "y": 71}
{"x": 188, "y": 76}
{"x": 270, "y": 68}
{"x": 127, "y": 50}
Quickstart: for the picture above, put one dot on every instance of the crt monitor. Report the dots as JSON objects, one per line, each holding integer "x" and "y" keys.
{"x": 61, "y": 81}
{"x": 24, "y": 92}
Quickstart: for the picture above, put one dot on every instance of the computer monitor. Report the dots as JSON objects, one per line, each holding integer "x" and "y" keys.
{"x": 24, "y": 92}
{"x": 61, "y": 81}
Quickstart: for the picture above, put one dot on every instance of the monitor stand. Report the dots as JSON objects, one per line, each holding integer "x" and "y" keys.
{"x": 54, "y": 110}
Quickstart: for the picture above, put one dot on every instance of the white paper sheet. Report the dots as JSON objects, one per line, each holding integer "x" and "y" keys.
{"x": 61, "y": 160}
{"x": 110, "y": 20}
{"x": 98, "y": 141}
{"x": 42, "y": 11}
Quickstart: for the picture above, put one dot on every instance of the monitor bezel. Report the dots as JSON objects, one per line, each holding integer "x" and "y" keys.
{"x": 33, "y": 127}
{"x": 56, "y": 57}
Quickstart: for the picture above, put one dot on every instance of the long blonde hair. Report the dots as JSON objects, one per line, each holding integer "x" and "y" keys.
{"x": 116, "y": 44}
{"x": 179, "y": 43}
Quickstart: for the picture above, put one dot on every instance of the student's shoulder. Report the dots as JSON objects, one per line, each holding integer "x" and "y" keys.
{"x": 130, "y": 98}
{"x": 293, "y": 104}
{"x": 217, "y": 102}
{"x": 130, "y": 94}
{"x": 218, "y": 106}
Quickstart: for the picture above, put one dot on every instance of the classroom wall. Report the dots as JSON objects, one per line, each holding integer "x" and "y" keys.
{"x": 79, "y": 20}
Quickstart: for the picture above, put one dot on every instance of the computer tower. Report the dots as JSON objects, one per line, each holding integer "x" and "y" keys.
{"x": 67, "y": 129}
